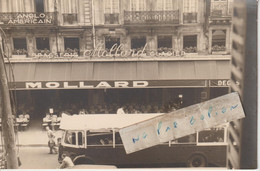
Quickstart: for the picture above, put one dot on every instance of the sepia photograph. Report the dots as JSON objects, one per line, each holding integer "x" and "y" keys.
{"x": 119, "y": 84}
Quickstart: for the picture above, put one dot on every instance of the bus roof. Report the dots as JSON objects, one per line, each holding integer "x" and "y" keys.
{"x": 102, "y": 121}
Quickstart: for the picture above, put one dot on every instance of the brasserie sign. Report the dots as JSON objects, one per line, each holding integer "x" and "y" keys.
{"x": 106, "y": 84}
{"x": 116, "y": 51}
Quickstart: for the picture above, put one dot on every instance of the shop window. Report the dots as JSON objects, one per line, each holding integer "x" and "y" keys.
{"x": 71, "y": 45}
{"x": 164, "y": 43}
{"x": 212, "y": 135}
{"x": 218, "y": 40}
{"x": 42, "y": 43}
{"x": 138, "y": 43}
{"x": 20, "y": 46}
{"x": 111, "y": 41}
{"x": 39, "y": 5}
{"x": 190, "y": 44}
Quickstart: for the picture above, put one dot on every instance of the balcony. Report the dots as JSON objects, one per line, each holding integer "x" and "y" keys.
{"x": 151, "y": 17}
{"x": 28, "y": 19}
{"x": 112, "y": 18}
{"x": 218, "y": 17}
{"x": 70, "y": 18}
{"x": 190, "y": 17}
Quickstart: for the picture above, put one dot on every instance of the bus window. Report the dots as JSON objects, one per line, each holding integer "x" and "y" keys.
{"x": 118, "y": 138}
{"x": 100, "y": 138}
{"x": 187, "y": 139}
{"x": 212, "y": 135}
{"x": 70, "y": 138}
{"x": 80, "y": 138}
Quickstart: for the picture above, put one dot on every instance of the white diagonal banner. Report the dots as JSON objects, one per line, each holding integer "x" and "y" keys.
{"x": 182, "y": 122}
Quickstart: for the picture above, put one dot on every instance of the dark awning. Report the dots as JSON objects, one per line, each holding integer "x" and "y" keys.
{"x": 121, "y": 71}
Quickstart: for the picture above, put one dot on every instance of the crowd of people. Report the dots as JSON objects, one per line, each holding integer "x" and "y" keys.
{"x": 131, "y": 108}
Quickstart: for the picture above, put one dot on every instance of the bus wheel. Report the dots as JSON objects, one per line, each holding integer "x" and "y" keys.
{"x": 197, "y": 160}
{"x": 83, "y": 161}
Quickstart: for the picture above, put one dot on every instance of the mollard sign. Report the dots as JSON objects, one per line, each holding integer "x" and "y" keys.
{"x": 182, "y": 122}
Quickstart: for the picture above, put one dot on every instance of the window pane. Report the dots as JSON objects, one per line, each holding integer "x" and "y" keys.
{"x": 20, "y": 43}
{"x": 138, "y": 42}
{"x": 213, "y": 135}
{"x": 70, "y": 138}
{"x": 110, "y": 41}
{"x": 39, "y": 5}
{"x": 188, "y": 139}
{"x": 100, "y": 138}
{"x": 71, "y": 43}
{"x": 190, "y": 44}
{"x": 80, "y": 138}
{"x": 218, "y": 40}
{"x": 118, "y": 138}
{"x": 164, "y": 41}
{"x": 42, "y": 43}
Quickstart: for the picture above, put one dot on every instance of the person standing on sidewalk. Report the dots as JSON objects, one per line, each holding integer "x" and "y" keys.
{"x": 51, "y": 142}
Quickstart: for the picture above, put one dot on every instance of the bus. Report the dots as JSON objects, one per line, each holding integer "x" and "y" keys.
{"x": 95, "y": 139}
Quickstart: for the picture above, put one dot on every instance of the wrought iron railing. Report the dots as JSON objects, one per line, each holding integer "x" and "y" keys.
{"x": 70, "y": 18}
{"x": 28, "y": 18}
{"x": 112, "y": 18}
{"x": 143, "y": 17}
{"x": 190, "y": 17}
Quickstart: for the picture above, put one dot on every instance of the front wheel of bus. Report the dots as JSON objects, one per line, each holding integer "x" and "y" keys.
{"x": 197, "y": 160}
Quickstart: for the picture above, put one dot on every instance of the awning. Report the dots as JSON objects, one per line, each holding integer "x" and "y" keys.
{"x": 90, "y": 74}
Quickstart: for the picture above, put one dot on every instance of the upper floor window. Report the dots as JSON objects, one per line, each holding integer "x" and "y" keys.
{"x": 111, "y": 6}
{"x": 190, "y": 6}
{"x": 138, "y": 43}
{"x": 190, "y": 44}
{"x": 20, "y": 43}
{"x": 71, "y": 44}
{"x": 164, "y": 5}
{"x": 218, "y": 40}
{"x": 111, "y": 41}
{"x": 39, "y": 5}
{"x": 42, "y": 43}
{"x": 138, "y": 5}
{"x": 164, "y": 43}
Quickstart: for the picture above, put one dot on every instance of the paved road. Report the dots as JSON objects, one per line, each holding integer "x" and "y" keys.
{"x": 37, "y": 158}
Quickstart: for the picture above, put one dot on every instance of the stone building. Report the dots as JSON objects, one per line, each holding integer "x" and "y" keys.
{"x": 107, "y": 52}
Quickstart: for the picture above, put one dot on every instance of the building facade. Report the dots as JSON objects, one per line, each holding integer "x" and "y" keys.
{"x": 107, "y": 52}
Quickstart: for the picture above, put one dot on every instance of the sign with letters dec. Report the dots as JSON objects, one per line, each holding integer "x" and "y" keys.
{"x": 182, "y": 122}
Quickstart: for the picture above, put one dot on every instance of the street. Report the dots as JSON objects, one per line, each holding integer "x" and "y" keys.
{"x": 37, "y": 158}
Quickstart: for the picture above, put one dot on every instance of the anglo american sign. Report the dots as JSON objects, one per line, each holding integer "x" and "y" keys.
{"x": 28, "y": 18}
{"x": 107, "y": 84}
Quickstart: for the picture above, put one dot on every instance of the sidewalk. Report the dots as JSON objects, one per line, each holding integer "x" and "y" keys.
{"x": 32, "y": 137}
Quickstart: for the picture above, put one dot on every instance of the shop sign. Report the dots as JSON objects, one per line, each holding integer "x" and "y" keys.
{"x": 108, "y": 84}
{"x": 221, "y": 83}
{"x": 30, "y": 18}
{"x": 54, "y": 55}
{"x": 117, "y": 51}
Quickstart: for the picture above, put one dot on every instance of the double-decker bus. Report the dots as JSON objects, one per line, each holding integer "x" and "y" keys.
{"x": 95, "y": 139}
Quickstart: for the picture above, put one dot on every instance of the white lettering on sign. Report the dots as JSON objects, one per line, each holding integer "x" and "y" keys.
{"x": 121, "y": 84}
{"x": 140, "y": 83}
{"x": 33, "y": 85}
{"x": 182, "y": 122}
{"x": 52, "y": 85}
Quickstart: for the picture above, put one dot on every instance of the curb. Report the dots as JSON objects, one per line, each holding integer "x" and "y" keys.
{"x": 32, "y": 145}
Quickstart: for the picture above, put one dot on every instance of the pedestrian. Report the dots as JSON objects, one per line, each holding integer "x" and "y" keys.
{"x": 120, "y": 111}
{"x": 51, "y": 142}
{"x": 66, "y": 162}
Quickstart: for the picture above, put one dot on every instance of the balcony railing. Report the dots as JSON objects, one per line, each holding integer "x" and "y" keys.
{"x": 27, "y": 18}
{"x": 70, "y": 18}
{"x": 190, "y": 17}
{"x": 112, "y": 18}
{"x": 219, "y": 17}
{"x": 151, "y": 17}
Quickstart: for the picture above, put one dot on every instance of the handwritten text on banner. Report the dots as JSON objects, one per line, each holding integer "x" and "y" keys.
{"x": 182, "y": 122}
